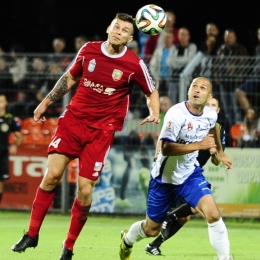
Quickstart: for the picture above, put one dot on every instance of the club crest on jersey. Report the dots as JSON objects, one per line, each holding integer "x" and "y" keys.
{"x": 92, "y": 65}
{"x": 117, "y": 74}
{"x": 190, "y": 126}
{"x": 169, "y": 124}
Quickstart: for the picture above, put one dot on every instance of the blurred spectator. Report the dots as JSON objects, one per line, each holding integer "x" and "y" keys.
{"x": 152, "y": 138}
{"x": 8, "y": 125}
{"x": 178, "y": 59}
{"x": 229, "y": 72}
{"x": 251, "y": 135}
{"x": 165, "y": 104}
{"x": 157, "y": 40}
{"x": 79, "y": 41}
{"x": 159, "y": 63}
{"x": 134, "y": 46}
{"x": 212, "y": 42}
{"x": 58, "y": 55}
{"x": 248, "y": 93}
{"x": 137, "y": 107}
{"x": 31, "y": 94}
{"x": 18, "y": 67}
{"x": 142, "y": 40}
{"x": 2, "y": 52}
{"x": 6, "y": 84}
{"x": 209, "y": 48}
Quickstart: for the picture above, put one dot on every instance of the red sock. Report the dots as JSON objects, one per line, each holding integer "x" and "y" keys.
{"x": 79, "y": 216}
{"x": 41, "y": 204}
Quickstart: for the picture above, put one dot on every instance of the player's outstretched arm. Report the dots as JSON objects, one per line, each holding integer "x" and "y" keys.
{"x": 62, "y": 87}
{"x": 153, "y": 105}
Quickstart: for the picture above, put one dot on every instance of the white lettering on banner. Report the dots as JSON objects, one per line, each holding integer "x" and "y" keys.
{"x": 103, "y": 200}
{"x": 246, "y": 161}
{"x": 104, "y": 207}
{"x": 35, "y": 165}
{"x": 103, "y": 194}
{"x": 248, "y": 177}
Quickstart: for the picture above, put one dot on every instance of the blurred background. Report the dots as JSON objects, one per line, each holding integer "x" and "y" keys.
{"x": 35, "y": 23}
{"x": 39, "y": 40}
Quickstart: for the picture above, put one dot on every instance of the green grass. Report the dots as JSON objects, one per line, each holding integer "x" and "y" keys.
{"x": 100, "y": 239}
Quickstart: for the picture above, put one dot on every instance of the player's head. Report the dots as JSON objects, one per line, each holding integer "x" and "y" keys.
{"x": 212, "y": 29}
{"x": 213, "y": 103}
{"x": 80, "y": 41}
{"x": 121, "y": 29}
{"x": 165, "y": 103}
{"x": 3, "y": 102}
{"x": 58, "y": 45}
{"x": 200, "y": 91}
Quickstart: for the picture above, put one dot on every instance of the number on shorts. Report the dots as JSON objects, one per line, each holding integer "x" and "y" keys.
{"x": 55, "y": 142}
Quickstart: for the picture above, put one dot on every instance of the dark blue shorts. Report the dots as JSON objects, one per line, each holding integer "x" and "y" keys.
{"x": 162, "y": 196}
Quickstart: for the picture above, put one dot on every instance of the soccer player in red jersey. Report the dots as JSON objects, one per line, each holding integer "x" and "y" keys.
{"x": 106, "y": 72}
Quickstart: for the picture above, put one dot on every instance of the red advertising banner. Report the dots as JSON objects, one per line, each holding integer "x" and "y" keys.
{"x": 26, "y": 170}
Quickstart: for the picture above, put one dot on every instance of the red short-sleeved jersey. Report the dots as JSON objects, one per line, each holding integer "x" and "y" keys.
{"x": 103, "y": 94}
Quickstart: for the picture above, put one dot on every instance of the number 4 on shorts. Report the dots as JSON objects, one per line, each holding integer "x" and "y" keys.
{"x": 55, "y": 142}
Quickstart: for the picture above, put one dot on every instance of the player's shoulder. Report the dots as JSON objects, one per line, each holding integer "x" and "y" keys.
{"x": 210, "y": 113}
{"x": 132, "y": 56}
{"x": 177, "y": 111}
{"x": 209, "y": 110}
{"x": 91, "y": 45}
{"x": 181, "y": 107}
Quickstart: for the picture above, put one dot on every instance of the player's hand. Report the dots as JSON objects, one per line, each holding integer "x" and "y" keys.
{"x": 208, "y": 142}
{"x": 226, "y": 161}
{"x": 39, "y": 113}
{"x": 213, "y": 151}
{"x": 151, "y": 119}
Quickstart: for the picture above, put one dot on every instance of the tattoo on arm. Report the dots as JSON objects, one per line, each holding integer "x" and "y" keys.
{"x": 59, "y": 90}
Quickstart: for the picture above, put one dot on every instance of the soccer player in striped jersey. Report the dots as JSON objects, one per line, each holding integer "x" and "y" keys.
{"x": 105, "y": 73}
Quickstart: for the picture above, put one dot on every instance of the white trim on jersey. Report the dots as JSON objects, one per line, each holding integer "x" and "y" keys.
{"x": 149, "y": 79}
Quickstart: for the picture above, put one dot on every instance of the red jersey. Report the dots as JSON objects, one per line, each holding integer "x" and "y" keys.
{"x": 103, "y": 95}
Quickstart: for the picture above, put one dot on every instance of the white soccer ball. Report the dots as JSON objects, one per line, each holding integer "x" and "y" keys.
{"x": 150, "y": 19}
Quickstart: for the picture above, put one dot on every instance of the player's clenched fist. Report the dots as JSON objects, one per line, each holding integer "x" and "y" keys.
{"x": 208, "y": 142}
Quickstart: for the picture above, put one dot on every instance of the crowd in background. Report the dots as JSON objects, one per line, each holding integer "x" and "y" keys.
{"x": 26, "y": 78}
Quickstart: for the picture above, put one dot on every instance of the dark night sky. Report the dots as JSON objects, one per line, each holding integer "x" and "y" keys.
{"x": 35, "y": 23}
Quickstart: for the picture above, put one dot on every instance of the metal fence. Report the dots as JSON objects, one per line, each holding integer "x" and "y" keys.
{"x": 27, "y": 78}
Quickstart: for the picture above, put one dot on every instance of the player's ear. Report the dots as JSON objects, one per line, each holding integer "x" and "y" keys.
{"x": 108, "y": 28}
{"x": 130, "y": 38}
{"x": 210, "y": 96}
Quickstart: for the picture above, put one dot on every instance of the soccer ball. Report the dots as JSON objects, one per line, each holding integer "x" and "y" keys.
{"x": 150, "y": 19}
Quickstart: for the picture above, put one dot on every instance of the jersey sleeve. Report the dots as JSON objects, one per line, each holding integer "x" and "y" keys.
{"x": 144, "y": 79}
{"x": 76, "y": 69}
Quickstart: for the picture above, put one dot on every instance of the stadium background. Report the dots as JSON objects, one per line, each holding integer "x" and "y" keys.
{"x": 34, "y": 24}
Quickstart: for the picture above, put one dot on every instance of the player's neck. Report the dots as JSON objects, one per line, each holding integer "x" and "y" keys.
{"x": 114, "y": 49}
{"x": 194, "y": 109}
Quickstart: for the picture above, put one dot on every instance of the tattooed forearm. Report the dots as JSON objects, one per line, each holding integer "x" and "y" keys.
{"x": 59, "y": 90}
